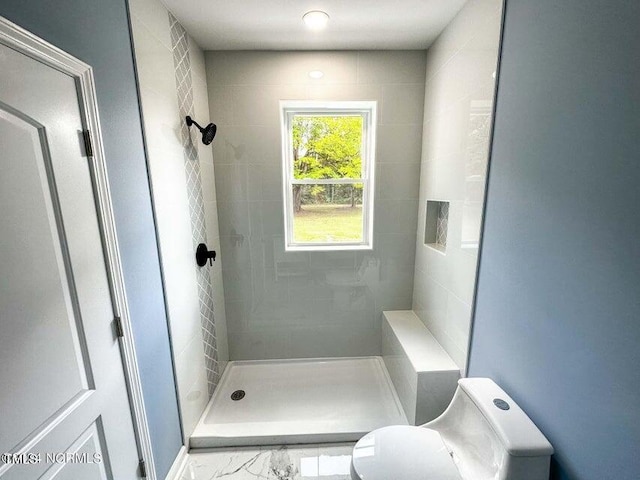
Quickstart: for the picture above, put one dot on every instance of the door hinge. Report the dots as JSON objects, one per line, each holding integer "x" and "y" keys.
{"x": 88, "y": 145}
{"x": 143, "y": 469}
{"x": 117, "y": 321}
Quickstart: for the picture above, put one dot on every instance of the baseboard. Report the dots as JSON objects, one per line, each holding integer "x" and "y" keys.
{"x": 178, "y": 464}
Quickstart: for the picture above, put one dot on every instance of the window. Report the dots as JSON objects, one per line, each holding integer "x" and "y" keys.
{"x": 328, "y": 170}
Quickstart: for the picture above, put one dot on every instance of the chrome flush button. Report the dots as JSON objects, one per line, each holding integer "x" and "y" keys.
{"x": 501, "y": 404}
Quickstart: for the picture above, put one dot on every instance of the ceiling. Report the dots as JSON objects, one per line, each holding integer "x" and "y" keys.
{"x": 277, "y": 24}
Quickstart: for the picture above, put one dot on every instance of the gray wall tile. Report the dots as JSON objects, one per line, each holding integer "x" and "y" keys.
{"x": 269, "y": 314}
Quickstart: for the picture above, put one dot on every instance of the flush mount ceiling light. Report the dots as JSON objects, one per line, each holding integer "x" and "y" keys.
{"x": 315, "y": 19}
{"x": 316, "y": 74}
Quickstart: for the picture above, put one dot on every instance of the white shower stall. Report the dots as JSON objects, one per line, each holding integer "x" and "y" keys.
{"x": 302, "y": 331}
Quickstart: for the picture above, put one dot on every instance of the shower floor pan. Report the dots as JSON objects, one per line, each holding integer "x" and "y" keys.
{"x": 298, "y": 401}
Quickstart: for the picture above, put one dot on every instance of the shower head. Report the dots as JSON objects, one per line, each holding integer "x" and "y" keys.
{"x": 208, "y": 132}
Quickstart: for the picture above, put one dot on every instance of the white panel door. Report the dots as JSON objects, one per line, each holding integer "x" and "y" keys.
{"x": 62, "y": 385}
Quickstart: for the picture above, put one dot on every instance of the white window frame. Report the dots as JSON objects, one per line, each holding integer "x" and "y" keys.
{"x": 368, "y": 111}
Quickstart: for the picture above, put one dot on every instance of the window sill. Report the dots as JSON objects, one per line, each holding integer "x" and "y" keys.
{"x": 326, "y": 248}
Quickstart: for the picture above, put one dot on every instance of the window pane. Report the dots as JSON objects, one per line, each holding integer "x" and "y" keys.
{"x": 327, "y": 213}
{"x": 327, "y": 146}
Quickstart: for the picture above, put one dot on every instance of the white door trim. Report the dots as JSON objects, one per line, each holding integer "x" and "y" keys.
{"x": 25, "y": 42}
{"x": 179, "y": 464}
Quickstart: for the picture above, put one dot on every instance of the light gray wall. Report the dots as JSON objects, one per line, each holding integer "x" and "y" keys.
{"x": 457, "y": 121}
{"x": 97, "y": 32}
{"x": 557, "y": 321}
{"x": 271, "y": 316}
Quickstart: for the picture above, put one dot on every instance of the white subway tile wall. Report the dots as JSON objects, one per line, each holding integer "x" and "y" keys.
{"x": 190, "y": 140}
{"x": 459, "y": 91}
{"x": 184, "y": 200}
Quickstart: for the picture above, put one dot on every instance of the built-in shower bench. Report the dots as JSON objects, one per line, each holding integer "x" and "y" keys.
{"x": 423, "y": 374}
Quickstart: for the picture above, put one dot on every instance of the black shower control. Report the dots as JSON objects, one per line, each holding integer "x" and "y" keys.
{"x": 203, "y": 254}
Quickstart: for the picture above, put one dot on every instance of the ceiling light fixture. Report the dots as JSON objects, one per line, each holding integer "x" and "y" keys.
{"x": 315, "y": 19}
{"x": 316, "y": 74}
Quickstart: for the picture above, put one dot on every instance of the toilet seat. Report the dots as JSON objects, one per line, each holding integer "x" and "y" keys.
{"x": 402, "y": 452}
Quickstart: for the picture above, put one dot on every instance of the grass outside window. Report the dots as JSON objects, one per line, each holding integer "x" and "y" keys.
{"x": 328, "y": 224}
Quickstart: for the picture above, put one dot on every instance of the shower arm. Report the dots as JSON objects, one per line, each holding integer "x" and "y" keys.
{"x": 190, "y": 121}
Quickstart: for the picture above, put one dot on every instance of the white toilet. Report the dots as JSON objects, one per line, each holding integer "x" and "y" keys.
{"x": 482, "y": 435}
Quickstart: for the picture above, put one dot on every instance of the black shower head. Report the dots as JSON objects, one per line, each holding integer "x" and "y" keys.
{"x": 208, "y": 132}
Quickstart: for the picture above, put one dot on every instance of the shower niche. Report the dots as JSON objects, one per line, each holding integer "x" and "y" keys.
{"x": 436, "y": 225}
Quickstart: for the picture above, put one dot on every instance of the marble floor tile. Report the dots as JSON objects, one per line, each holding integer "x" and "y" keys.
{"x": 334, "y": 462}
{"x": 324, "y": 462}
{"x": 237, "y": 464}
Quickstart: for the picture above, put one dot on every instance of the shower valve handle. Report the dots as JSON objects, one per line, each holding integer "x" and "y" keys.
{"x": 203, "y": 254}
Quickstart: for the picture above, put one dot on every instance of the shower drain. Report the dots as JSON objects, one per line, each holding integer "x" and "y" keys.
{"x": 237, "y": 395}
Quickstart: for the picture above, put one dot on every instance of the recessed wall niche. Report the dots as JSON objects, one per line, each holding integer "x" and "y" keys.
{"x": 436, "y": 225}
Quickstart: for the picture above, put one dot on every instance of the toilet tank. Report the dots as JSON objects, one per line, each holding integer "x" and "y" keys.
{"x": 490, "y": 437}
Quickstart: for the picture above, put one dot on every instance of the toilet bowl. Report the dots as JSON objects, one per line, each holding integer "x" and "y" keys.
{"x": 482, "y": 435}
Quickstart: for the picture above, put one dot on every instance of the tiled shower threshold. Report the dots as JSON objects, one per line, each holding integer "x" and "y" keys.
{"x": 299, "y": 401}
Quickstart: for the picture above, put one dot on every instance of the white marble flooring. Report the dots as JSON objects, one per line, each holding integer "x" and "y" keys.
{"x": 293, "y": 462}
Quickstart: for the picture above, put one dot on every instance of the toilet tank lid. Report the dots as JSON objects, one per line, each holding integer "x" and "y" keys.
{"x": 518, "y": 434}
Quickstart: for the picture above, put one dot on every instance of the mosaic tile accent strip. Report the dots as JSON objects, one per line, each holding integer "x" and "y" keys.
{"x": 442, "y": 224}
{"x": 436, "y": 224}
{"x": 184, "y": 84}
